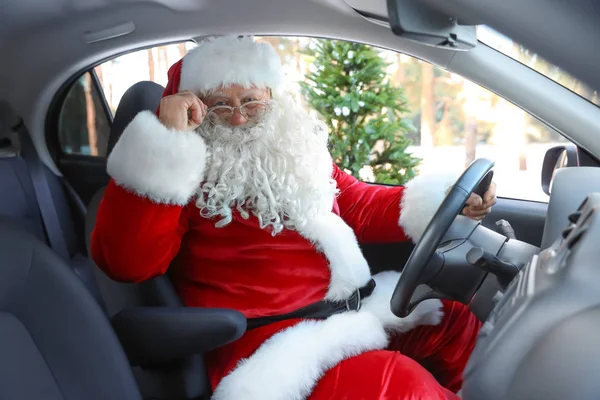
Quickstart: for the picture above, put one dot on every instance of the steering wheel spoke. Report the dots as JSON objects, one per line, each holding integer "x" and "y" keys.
{"x": 425, "y": 264}
{"x": 423, "y": 292}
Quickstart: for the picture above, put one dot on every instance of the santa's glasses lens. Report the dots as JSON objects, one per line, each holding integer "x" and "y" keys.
{"x": 251, "y": 109}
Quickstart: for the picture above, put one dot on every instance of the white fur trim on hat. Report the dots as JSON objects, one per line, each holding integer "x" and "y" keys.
{"x": 158, "y": 163}
{"x": 227, "y": 60}
{"x": 421, "y": 198}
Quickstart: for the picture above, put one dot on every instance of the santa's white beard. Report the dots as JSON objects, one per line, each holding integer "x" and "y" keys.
{"x": 278, "y": 169}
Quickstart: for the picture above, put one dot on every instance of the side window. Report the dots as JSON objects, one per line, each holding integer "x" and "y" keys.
{"x": 83, "y": 125}
{"x": 120, "y": 73}
{"x": 86, "y": 114}
{"x": 392, "y": 116}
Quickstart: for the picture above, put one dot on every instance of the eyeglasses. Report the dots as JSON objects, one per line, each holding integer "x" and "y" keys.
{"x": 249, "y": 110}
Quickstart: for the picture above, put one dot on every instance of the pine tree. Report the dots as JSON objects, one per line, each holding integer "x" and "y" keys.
{"x": 348, "y": 87}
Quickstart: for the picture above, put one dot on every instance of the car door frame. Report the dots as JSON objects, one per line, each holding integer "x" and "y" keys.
{"x": 86, "y": 174}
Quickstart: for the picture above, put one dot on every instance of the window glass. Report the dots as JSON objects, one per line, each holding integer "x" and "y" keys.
{"x": 392, "y": 116}
{"x": 525, "y": 56}
{"x": 119, "y": 74}
{"x": 83, "y": 126}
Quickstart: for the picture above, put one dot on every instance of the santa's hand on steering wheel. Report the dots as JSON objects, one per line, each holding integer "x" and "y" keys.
{"x": 477, "y": 208}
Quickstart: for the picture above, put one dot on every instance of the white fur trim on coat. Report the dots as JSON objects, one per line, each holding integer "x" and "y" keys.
{"x": 289, "y": 364}
{"x": 428, "y": 312}
{"x": 230, "y": 60}
{"x": 349, "y": 269}
{"x": 421, "y": 198}
{"x": 163, "y": 165}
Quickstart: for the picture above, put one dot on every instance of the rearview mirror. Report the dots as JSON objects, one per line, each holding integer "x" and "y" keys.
{"x": 556, "y": 158}
{"x": 419, "y": 22}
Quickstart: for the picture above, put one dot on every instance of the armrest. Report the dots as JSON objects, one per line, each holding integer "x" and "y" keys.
{"x": 156, "y": 335}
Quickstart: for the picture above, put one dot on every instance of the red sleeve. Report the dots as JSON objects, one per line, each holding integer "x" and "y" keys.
{"x": 140, "y": 222}
{"x": 372, "y": 211}
{"x": 134, "y": 238}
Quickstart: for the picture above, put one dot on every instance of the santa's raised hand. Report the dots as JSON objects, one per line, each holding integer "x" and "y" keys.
{"x": 182, "y": 111}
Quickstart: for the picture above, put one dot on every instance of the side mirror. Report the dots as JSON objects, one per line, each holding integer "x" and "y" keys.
{"x": 556, "y": 158}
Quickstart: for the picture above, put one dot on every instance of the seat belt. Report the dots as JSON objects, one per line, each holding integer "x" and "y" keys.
{"x": 43, "y": 194}
{"x": 80, "y": 264}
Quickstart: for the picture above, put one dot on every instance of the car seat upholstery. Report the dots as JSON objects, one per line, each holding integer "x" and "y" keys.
{"x": 55, "y": 341}
{"x": 143, "y": 95}
{"x": 18, "y": 195}
{"x": 20, "y": 201}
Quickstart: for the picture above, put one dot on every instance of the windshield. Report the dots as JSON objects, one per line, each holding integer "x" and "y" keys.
{"x": 516, "y": 51}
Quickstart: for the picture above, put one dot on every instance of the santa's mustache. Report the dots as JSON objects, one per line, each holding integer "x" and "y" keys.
{"x": 216, "y": 130}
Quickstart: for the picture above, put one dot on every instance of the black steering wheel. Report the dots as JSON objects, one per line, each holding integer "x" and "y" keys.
{"x": 418, "y": 269}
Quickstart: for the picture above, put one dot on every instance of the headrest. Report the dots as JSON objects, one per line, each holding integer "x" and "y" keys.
{"x": 9, "y": 120}
{"x": 142, "y": 96}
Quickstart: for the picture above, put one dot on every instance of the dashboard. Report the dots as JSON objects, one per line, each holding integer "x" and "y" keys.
{"x": 542, "y": 338}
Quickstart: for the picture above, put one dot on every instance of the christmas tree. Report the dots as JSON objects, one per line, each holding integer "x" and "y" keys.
{"x": 347, "y": 86}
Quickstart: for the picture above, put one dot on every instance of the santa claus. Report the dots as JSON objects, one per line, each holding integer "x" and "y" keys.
{"x": 231, "y": 187}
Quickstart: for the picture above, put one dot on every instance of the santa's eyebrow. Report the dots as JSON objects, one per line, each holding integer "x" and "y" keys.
{"x": 220, "y": 94}
{"x": 256, "y": 92}
{"x": 253, "y": 92}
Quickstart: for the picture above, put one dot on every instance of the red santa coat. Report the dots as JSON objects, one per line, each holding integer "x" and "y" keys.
{"x": 147, "y": 223}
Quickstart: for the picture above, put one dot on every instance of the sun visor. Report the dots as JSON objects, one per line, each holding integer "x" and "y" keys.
{"x": 418, "y": 21}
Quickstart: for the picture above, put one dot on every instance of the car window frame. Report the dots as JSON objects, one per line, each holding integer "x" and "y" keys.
{"x": 52, "y": 124}
{"x": 98, "y": 86}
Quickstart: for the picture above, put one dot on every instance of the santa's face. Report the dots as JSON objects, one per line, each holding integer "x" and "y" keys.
{"x": 236, "y": 105}
{"x": 274, "y": 165}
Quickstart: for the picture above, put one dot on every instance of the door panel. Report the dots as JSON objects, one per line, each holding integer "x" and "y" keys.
{"x": 526, "y": 217}
{"x": 387, "y": 256}
{"x": 86, "y": 174}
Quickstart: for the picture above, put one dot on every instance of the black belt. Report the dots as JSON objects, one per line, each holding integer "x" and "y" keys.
{"x": 319, "y": 310}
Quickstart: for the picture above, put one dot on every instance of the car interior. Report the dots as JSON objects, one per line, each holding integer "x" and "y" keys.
{"x": 67, "y": 331}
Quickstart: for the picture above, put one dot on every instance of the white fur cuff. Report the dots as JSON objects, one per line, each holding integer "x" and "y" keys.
{"x": 163, "y": 165}
{"x": 429, "y": 312}
{"x": 421, "y": 198}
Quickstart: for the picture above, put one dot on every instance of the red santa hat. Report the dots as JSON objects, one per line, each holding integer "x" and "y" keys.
{"x": 223, "y": 61}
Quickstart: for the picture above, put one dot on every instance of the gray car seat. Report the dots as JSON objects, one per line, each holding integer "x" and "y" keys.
{"x": 55, "y": 341}
{"x": 38, "y": 199}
